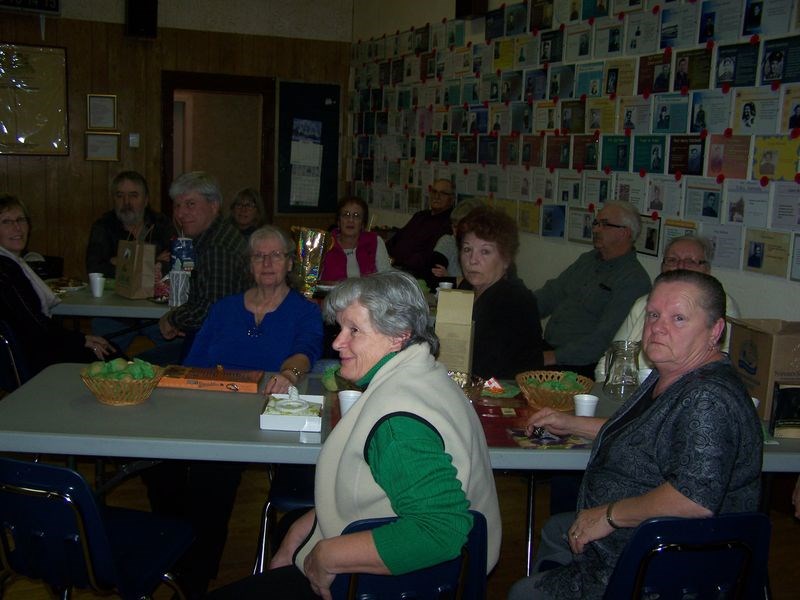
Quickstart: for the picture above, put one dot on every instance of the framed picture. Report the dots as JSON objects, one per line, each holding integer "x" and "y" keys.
{"x": 33, "y": 111}
{"x": 649, "y": 239}
{"x": 102, "y": 146}
{"x": 101, "y": 111}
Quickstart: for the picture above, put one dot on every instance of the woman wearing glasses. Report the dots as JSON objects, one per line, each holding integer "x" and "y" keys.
{"x": 270, "y": 327}
{"x": 26, "y": 302}
{"x": 354, "y": 252}
{"x": 247, "y": 211}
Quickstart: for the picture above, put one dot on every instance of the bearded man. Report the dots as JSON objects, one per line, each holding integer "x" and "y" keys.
{"x": 131, "y": 219}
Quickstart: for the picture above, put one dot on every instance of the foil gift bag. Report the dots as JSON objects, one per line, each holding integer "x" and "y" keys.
{"x": 311, "y": 245}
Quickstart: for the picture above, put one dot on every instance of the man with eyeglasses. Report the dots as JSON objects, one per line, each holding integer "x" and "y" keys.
{"x": 411, "y": 248}
{"x": 588, "y": 301}
{"x": 693, "y": 253}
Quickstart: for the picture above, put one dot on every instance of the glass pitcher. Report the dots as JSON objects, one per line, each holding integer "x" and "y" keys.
{"x": 622, "y": 370}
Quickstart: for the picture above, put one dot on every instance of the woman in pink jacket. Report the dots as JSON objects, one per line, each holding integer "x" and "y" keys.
{"x": 355, "y": 252}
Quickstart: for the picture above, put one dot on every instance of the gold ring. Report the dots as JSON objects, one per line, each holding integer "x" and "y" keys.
{"x": 575, "y": 536}
{"x": 274, "y": 378}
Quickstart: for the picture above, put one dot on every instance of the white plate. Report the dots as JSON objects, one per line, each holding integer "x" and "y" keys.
{"x": 53, "y": 283}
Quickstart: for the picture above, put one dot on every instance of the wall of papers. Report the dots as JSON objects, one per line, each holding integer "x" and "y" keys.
{"x": 690, "y": 110}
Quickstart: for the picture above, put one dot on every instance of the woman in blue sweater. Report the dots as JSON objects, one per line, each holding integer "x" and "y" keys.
{"x": 270, "y": 327}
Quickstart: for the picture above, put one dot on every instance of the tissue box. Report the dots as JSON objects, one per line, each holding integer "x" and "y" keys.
{"x": 278, "y": 419}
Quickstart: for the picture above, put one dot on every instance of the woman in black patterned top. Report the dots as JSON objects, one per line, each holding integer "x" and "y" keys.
{"x": 687, "y": 444}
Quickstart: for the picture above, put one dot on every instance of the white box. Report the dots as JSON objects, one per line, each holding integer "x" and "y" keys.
{"x": 290, "y": 422}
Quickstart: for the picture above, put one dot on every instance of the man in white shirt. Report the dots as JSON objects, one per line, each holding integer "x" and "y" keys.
{"x": 689, "y": 252}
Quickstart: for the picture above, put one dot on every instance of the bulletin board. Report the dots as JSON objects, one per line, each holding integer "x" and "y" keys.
{"x": 308, "y": 147}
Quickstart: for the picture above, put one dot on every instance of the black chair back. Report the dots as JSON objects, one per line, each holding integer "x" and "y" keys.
{"x": 718, "y": 557}
{"x": 55, "y": 531}
{"x": 463, "y": 577}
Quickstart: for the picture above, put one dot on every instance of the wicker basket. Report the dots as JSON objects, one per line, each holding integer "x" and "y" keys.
{"x": 472, "y": 386}
{"x": 539, "y": 397}
{"x": 122, "y": 393}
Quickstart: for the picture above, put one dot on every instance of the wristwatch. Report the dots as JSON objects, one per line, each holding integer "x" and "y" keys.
{"x": 296, "y": 372}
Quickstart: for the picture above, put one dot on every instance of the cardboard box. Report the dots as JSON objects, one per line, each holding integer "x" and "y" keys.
{"x": 274, "y": 417}
{"x": 785, "y": 418}
{"x": 213, "y": 380}
{"x": 763, "y": 352}
{"x": 455, "y": 329}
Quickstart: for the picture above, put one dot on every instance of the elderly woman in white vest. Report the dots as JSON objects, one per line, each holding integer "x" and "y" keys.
{"x": 411, "y": 446}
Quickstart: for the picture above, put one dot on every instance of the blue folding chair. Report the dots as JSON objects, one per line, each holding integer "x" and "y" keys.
{"x": 463, "y": 577}
{"x": 719, "y": 557}
{"x": 54, "y": 531}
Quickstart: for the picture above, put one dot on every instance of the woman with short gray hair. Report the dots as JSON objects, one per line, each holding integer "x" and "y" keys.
{"x": 411, "y": 446}
{"x": 394, "y": 303}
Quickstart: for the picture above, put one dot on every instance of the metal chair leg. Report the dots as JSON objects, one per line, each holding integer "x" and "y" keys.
{"x": 262, "y": 549}
{"x": 530, "y": 521}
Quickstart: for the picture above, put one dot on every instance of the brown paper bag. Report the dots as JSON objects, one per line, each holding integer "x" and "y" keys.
{"x": 135, "y": 269}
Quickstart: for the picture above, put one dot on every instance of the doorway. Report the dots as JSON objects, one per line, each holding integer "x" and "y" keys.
{"x": 222, "y": 124}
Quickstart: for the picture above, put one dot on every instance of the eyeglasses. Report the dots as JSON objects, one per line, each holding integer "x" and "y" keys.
{"x": 440, "y": 193}
{"x": 244, "y": 205}
{"x": 20, "y": 221}
{"x": 276, "y": 256}
{"x": 350, "y": 215}
{"x": 674, "y": 261}
{"x": 605, "y": 223}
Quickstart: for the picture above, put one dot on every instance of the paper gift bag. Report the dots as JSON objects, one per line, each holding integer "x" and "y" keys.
{"x": 135, "y": 269}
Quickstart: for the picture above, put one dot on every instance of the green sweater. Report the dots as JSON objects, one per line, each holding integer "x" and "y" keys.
{"x": 407, "y": 460}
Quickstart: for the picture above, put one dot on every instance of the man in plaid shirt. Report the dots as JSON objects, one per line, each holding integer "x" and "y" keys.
{"x": 202, "y": 492}
{"x": 220, "y": 268}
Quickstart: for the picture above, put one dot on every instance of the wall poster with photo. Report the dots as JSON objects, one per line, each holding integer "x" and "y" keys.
{"x": 553, "y": 220}
{"x": 720, "y": 21}
{"x": 755, "y": 111}
{"x": 794, "y": 274}
{"x": 737, "y": 65}
{"x": 729, "y": 156}
{"x": 703, "y": 199}
{"x": 747, "y": 202}
{"x": 766, "y": 252}
{"x": 580, "y": 225}
{"x": 726, "y": 242}
{"x": 649, "y": 240}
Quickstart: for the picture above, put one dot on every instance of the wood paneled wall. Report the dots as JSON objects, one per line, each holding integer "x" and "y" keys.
{"x": 65, "y": 194}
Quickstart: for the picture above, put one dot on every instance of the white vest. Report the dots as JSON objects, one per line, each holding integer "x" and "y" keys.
{"x": 412, "y": 383}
